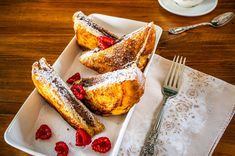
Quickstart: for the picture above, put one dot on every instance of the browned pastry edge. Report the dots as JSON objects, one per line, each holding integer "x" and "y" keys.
{"x": 144, "y": 58}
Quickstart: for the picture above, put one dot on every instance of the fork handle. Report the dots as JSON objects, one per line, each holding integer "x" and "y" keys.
{"x": 150, "y": 140}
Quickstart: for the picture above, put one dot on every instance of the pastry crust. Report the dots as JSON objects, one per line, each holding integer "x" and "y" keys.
{"x": 132, "y": 48}
{"x": 114, "y": 93}
{"x": 59, "y": 96}
{"x": 87, "y": 32}
{"x": 144, "y": 58}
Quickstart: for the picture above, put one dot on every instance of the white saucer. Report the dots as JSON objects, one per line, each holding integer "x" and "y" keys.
{"x": 204, "y": 8}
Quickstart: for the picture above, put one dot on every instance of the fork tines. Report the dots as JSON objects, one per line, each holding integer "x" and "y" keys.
{"x": 175, "y": 72}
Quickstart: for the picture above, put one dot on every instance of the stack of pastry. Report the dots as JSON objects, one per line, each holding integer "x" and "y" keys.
{"x": 134, "y": 47}
{"x": 115, "y": 90}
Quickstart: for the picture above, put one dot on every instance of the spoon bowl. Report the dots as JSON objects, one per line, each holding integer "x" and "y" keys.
{"x": 222, "y": 19}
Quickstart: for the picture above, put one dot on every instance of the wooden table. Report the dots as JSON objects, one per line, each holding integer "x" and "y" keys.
{"x": 32, "y": 29}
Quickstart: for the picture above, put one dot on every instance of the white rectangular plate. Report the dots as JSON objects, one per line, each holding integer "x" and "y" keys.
{"x": 35, "y": 111}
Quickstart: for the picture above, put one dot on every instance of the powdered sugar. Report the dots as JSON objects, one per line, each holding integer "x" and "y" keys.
{"x": 124, "y": 52}
{"x": 118, "y": 76}
{"x": 48, "y": 78}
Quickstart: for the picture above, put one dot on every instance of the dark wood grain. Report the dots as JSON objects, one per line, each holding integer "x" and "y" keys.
{"x": 32, "y": 29}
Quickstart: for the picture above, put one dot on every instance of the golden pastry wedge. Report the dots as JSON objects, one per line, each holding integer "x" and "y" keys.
{"x": 114, "y": 93}
{"x": 58, "y": 94}
{"x": 87, "y": 31}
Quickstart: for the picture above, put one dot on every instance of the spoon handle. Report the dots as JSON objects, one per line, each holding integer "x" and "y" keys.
{"x": 179, "y": 30}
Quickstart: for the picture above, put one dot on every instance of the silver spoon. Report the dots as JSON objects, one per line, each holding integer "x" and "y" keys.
{"x": 215, "y": 22}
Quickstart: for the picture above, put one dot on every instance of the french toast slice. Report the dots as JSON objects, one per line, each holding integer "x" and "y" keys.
{"x": 132, "y": 48}
{"x": 87, "y": 31}
{"x": 58, "y": 94}
{"x": 114, "y": 93}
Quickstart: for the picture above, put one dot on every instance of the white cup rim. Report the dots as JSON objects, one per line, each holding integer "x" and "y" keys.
{"x": 188, "y": 3}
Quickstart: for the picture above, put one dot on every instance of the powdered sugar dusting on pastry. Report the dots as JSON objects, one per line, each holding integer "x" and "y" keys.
{"x": 138, "y": 30}
{"x": 125, "y": 51}
{"x": 131, "y": 73}
{"x": 44, "y": 73}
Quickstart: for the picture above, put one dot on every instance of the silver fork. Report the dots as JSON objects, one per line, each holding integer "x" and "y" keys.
{"x": 170, "y": 88}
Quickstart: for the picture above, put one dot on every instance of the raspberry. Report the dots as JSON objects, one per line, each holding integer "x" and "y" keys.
{"x": 43, "y": 132}
{"x": 105, "y": 42}
{"x": 74, "y": 78}
{"x": 78, "y": 95}
{"x": 102, "y": 45}
{"x": 82, "y": 137}
{"x": 78, "y": 91}
{"x": 109, "y": 41}
{"x": 61, "y": 148}
{"x": 81, "y": 89}
{"x": 101, "y": 145}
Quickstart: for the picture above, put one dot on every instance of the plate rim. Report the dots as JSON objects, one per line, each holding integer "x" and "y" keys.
{"x": 11, "y": 142}
{"x": 188, "y": 15}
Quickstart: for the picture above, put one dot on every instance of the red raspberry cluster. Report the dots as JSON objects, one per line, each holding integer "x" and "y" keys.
{"x": 101, "y": 144}
{"x": 44, "y": 133}
{"x": 77, "y": 88}
{"x": 78, "y": 91}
